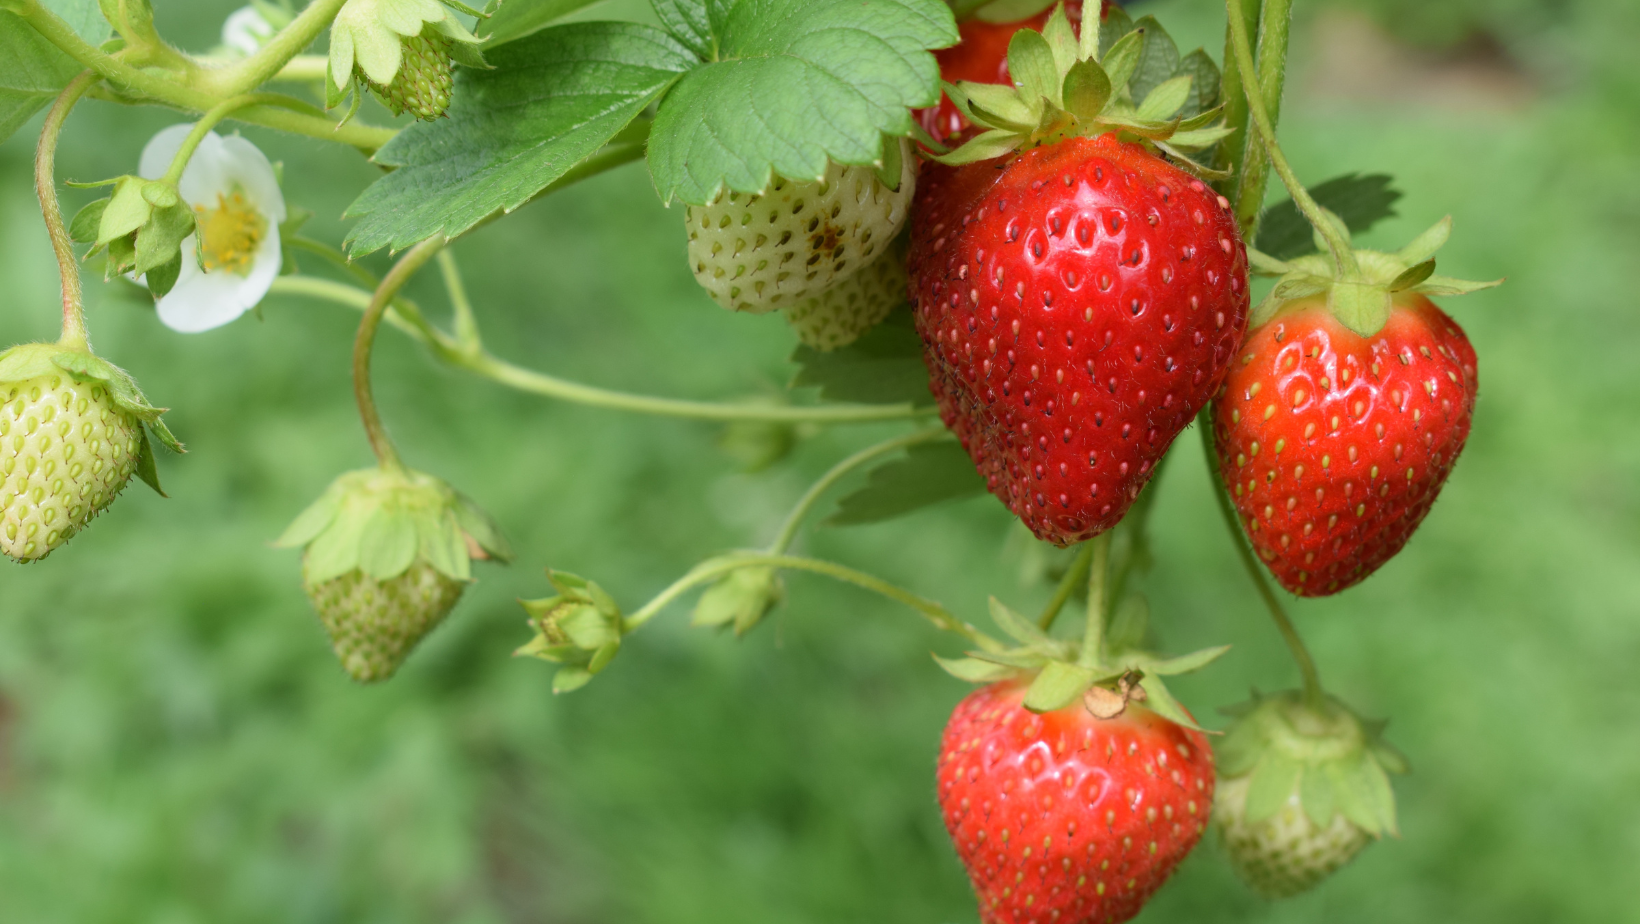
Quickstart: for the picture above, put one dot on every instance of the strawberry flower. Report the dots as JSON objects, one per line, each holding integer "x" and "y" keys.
{"x": 235, "y": 249}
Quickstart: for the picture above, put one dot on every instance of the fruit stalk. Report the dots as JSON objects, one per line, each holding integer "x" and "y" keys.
{"x": 1076, "y": 574}
{"x": 788, "y": 531}
{"x": 1314, "y": 695}
{"x": 1253, "y": 174}
{"x": 380, "y": 442}
{"x": 45, "y": 186}
{"x": 1093, "y": 634}
{"x": 1342, "y": 255}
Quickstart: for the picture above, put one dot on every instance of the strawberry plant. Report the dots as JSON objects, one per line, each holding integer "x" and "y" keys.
{"x": 1025, "y": 234}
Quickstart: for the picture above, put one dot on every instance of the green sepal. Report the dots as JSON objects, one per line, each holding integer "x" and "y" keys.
{"x": 145, "y": 462}
{"x": 388, "y": 543}
{"x": 478, "y": 524}
{"x": 313, "y": 520}
{"x": 1272, "y": 784}
{"x": 126, "y": 210}
{"x": 1360, "y": 306}
{"x": 161, "y": 279}
{"x": 892, "y": 167}
{"x": 335, "y": 551}
{"x": 49, "y": 358}
{"x": 1183, "y": 664}
{"x": 1166, "y": 100}
{"x": 570, "y": 679}
{"x": 1161, "y": 701}
{"x": 581, "y": 628}
{"x": 1021, "y": 659}
{"x": 1129, "y": 625}
{"x": 1414, "y": 276}
{"x": 1315, "y": 794}
{"x": 88, "y": 222}
{"x": 1018, "y": 627}
{"x": 740, "y": 599}
{"x": 973, "y": 670}
{"x": 1058, "y": 685}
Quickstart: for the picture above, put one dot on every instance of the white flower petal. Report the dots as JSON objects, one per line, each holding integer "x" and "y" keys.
{"x": 201, "y": 301}
{"x": 245, "y": 164}
{"x": 210, "y": 173}
{"x": 245, "y": 30}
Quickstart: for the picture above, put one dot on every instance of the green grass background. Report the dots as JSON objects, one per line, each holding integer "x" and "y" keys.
{"x": 178, "y": 745}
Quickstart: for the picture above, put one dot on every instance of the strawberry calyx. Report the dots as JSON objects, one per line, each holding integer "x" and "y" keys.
{"x": 1063, "y": 672}
{"x": 1335, "y": 762}
{"x": 1359, "y": 285}
{"x": 1066, "y": 89}
{"x": 382, "y": 521}
{"x": 27, "y": 361}
{"x": 579, "y": 629}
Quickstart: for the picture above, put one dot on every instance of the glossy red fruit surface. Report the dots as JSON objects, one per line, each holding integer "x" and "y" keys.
{"x": 1078, "y": 304}
{"x": 980, "y": 57}
{"x": 1334, "y": 445}
{"x": 1065, "y": 818}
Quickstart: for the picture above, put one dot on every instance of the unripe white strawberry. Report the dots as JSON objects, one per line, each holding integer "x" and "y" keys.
{"x": 757, "y": 252}
{"x": 387, "y": 555}
{"x": 839, "y": 315}
{"x": 1302, "y": 790}
{"x": 71, "y": 436}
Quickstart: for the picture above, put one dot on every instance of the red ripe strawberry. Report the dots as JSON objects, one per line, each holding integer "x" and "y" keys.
{"x": 1066, "y": 818}
{"x": 1079, "y": 303}
{"x": 981, "y": 57}
{"x": 1334, "y": 445}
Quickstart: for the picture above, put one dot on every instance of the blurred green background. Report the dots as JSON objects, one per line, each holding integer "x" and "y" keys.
{"x": 178, "y": 745}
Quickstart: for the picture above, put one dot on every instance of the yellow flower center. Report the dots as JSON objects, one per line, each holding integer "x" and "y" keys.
{"x": 230, "y": 234}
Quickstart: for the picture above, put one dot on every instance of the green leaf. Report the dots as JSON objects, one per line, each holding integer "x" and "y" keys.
{"x": 689, "y": 23}
{"x": 388, "y": 543}
{"x": 32, "y": 70}
{"x": 1158, "y": 60}
{"x": 973, "y": 670}
{"x": 795, "y": 83}
{"x": 1204, "y": 84}
{"x": 1361, "y": 201}
{"x": 1057, "y": 686}
{"x": 927, "y": 474}
{"x": 518, "y": 18}
{"x": 1271, "y": 786}
{"x": 552, "y": 100}
{"x": 884, "y": 366}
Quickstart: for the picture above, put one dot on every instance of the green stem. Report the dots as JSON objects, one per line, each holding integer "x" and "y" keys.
{"x": 1093, "y": 635}
{"x": 157, "y": 88}
{"x": 1314, "y": 694}
{"x": 714, "y": 568}
{"x": 1077, "y": 573}
{"x": 1343, "y": 256}
{"x": 214, "y": 117}
{"x": 45, "y": 186}
{"x": 788, "y": 531}
{"x": 465, "y": 324}
{"x": 261, "y": 67}
{"x": 415, "y": 259}
{"x": 505, "y": 373}
{"x": 1274, "y": 26}
{"x": 1233, "y": 149}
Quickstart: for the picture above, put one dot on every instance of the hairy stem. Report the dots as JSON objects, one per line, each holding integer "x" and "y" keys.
{"x": 1343, "y": 256}
{"x": 714, "y": 568}
{"x": 1274, "y": 26}
{"x": 505, "y": 373}
{"x": 1233, "y": 149}
{"x": 1076, "y": 574}
{"x": 1314, "y": 694}
{"x": 788, "y": 531}
{"x": 261, "y": 67}
{"x": 45, "y": 186}
{"x": 415, "y": 259}
{"x": 155, "y": 87}
{"x": 1093, "y": 634}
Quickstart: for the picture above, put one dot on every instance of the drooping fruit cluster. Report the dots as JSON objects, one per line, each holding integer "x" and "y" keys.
{"x": 71, "y": 436}
{"x": 1344, "y": 412}
{"x": 762, "y": 251}
{"x": 387, "y": 553}
{"x": 403, "y": 50}
{"x": 1302, "y": 790}
{"x": 1066, "y": 817}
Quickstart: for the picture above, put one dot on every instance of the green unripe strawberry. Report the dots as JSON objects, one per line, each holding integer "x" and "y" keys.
{"x": 71, "y": 436}
{"x": 579, "y": 629}
{"x": 422, "y": 85}
{"x": 1302, "y": 790}
{"x": 762, "y": 251}
{"x": 387, "y": 555}
{"x": 839, "y": 315}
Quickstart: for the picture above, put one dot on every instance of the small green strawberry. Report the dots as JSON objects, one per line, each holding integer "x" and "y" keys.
{"x": 740, "y": 599}
{"x": 387, "y": 555}
{"x": 1301, "y": 791}
{"x": 402, "y": 50}
{"x": 580, "y": 629}
{"x": 839, "y": 315}
{"x": 72, "y": 433}
{"x": 762, "y": 251}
